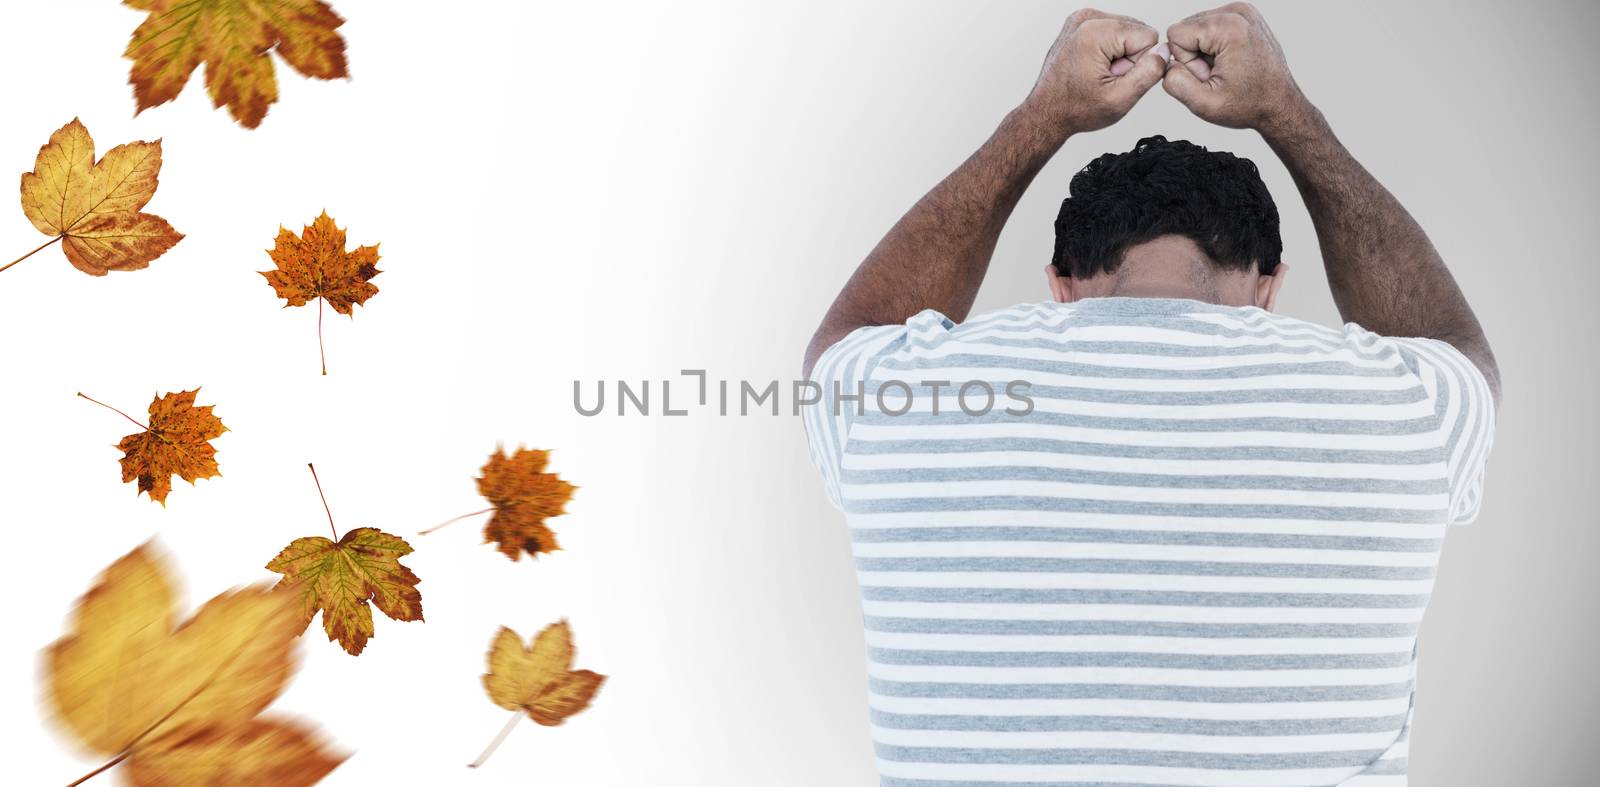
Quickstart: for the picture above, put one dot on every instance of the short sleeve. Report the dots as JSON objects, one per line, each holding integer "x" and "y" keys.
{"x": 1465, "y": 409}
{"x": 843, "y": 368}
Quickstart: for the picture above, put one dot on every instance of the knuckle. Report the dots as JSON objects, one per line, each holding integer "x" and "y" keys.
{"x": 1098, "y": 25}
{"x": 1131, "y": 21}
{"x": 1082, "y": 15}
{"x": 1139, "y": 29}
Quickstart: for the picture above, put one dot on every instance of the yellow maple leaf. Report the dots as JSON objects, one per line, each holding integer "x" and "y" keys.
{"x": 131, "y": 684}
{"x": 340, "y": 577}
{"x": 537, "y": 680}
{"x": 260, "y": 753}
{"x": 93, "y": 207}
{"x": 175, "y": 443}
{"x": 315, "y": 265}
{"x": 233, "y": 38}
{"x": 523, "y": 496}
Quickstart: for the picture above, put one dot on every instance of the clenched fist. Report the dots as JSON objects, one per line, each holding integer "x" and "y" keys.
{"x": 1096, "y": 71}
{"x": 1229, "y": 70}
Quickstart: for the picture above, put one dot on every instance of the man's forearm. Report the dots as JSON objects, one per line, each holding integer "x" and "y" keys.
{"x": 935, "y": 257}
{"x": 1384, "y": 272}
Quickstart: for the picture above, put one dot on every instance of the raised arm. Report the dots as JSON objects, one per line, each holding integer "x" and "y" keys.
{"x": 936, "y": 255}
{"x": 1384, "y": 272}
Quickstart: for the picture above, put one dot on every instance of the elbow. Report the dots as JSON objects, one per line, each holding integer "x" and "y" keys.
{"x": 808, "y": 361}
{"x": 1477, "y": 351}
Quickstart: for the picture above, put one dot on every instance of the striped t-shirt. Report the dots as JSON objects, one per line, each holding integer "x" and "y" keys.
{"x": 1187, "y": 544}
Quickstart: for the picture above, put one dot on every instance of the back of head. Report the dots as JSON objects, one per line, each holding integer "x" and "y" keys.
{"x": 1161, "y": 188}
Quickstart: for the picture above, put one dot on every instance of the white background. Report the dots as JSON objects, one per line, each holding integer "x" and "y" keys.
{"x": 622, "y": 190}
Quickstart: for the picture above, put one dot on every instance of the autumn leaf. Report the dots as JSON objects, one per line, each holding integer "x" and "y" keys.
{"x": 175, "y": 443}
{"x": 233, "y": 38}
{"x": 316, "y": 266}
{"x": 263, "y": 752}
{"x": 179, "y": 703}
{"x": 537, "y": 680}
{"x": 521, "y": 496}
{"x": 93, "y": 207}
{"x": 340, "y": 577}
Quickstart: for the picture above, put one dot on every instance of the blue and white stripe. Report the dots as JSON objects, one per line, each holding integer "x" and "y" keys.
{"x": 1202, "y": 559}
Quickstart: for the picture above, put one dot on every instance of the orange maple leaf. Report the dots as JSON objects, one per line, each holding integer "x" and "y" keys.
{"x": 93, "y": 207}
{"x": 316, "y": 265}
{"x": 233, "y": 38}
{"x": 523, "y": 496}
{"x": 176, "y": 443}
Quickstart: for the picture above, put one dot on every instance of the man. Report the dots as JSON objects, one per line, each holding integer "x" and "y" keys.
{"x": 1200, "y": 551}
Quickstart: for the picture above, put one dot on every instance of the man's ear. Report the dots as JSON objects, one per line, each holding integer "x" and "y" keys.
{"x": 1060, "y": 286}
{"x": 1267, "y": 286}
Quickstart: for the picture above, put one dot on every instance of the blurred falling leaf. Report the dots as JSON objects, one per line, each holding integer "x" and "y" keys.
{"x": 523, "y": 496}
{"x": 264, "y": 752}
{"x": 93, "y": 207}
{"x": 316, "y": 266}
{"x": 340, "y": 577}
{"x": 179, "y": 703}
{"x": 176, "y": 443}
{"x": 233, "y": 38}
{"x": 537, "y": 680}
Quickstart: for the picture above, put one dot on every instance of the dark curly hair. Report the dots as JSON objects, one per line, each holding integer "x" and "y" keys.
{"x": 1160, "y": 188}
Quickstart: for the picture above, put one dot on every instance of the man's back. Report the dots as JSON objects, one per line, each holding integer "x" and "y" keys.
{"x": 1200, "y": 557}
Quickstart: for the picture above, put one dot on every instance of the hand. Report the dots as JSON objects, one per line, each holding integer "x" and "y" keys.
{"x": 1229, "y": 70}
{"x": 1098, "y": 68}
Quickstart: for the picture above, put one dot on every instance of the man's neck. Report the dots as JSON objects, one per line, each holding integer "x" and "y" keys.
{"x": 1167, "y": 290}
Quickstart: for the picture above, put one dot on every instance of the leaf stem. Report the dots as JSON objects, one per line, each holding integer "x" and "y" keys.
{"x": 99, "y": 770}
{"x": 453, "y": 519}
{"x": 324, "y": 497}
{"x": 42, "y": 247}
{"x": 516, "y": 716}
{"x": 320, "y": 352}
{"x": 114, "y": 410}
